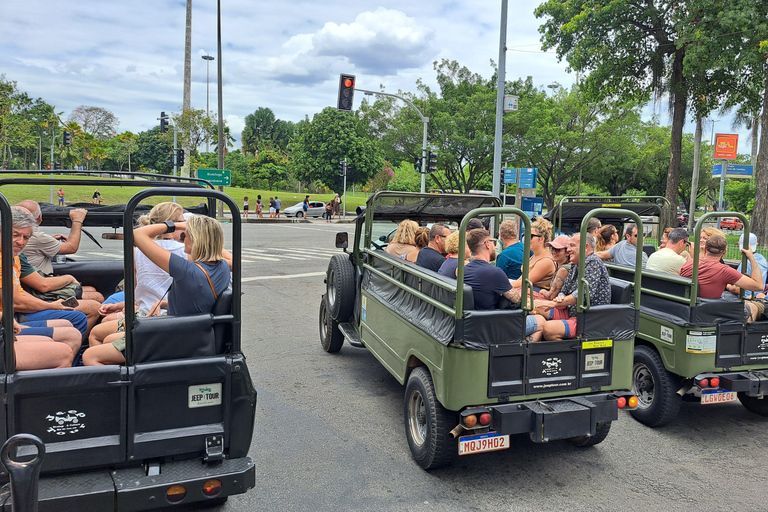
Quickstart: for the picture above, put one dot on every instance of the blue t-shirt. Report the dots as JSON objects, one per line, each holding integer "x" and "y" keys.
{"x": 488, "y": 283}
{"x": 759, "y": 258}
{"x": 510, "y": 260}
{"x": 448, "y": 268}
{"x": 191, "y": 293}
{"x": 430, "y": 258}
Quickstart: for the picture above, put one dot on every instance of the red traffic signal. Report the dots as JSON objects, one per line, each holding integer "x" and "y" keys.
{"x": 346, "y": 92}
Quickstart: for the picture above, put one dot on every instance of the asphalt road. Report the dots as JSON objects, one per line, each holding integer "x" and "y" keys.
{"x": 329, "y": 429}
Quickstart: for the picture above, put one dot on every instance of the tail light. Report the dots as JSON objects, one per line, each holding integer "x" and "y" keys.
{"x": 470, "y": 421}
{"x": 704, "y": 383}
{"x": 485, "y": 419}
{"x": 212, "y": 487}
{"x": 621, "y": 402}
{"x": 714, "y": 382}
{"x": 175, "y": 493}
{"x": 632, "y": 401}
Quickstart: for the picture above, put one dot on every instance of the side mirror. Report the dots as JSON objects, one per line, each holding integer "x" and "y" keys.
{"x": 342, "y": 240}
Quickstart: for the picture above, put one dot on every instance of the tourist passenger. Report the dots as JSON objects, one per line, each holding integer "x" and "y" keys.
{"x": 403, "y": 242}
{"x": 664, "y": 237}
{"x": 714, "y": 276}
{"x": 488, "y": 283}
{"x": 431, "y": 256}
{"x": 761, "y": 262}
{"x": 606, "y": 238}
{"x": 451, "y": 263}
{"x": 562, "y": 309}
{"x": 625, "y": 252}
{"x": 421, "y": 240}
{"x": 593, "y": 226}
{"x": 197, "y": 281}
{"x": 705, "y": 234}
{"x": 668, "y": 259}
{"x": 510, "y": 260}
{"x": 559, "y": 249}
{"x": 541, "y": 266}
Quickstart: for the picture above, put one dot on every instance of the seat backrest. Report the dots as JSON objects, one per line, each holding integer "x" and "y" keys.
{"x": 161, "y": 338}
{"x": 621, "y": 291}
{"x": 222, "y": 331}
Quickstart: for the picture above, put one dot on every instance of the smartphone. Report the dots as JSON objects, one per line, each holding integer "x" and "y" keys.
{"x": 70, "y": 303}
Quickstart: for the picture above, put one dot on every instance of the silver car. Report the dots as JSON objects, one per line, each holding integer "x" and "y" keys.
{"x": 316, "y": 209}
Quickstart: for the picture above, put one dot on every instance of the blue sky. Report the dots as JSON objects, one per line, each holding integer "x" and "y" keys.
{"x": 287, "y": 56}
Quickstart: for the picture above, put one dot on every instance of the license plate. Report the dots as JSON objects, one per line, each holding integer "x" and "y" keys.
{"x": 479, "y": 443}
{"x": 717, "y": 397}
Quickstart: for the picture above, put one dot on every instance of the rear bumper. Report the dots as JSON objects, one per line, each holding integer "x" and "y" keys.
{"x": 752, "y": 383}
{"x": 130, "y": 489}
{"x": 557, "y": 418}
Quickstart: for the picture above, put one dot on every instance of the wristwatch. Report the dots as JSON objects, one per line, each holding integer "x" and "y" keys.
{"x": 170, "y": 227}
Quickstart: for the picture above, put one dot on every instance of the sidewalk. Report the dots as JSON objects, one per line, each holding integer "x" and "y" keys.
{"x": 291, "y": 220}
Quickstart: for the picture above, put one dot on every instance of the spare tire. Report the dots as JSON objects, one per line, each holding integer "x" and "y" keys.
{"x": 340, "y": 287}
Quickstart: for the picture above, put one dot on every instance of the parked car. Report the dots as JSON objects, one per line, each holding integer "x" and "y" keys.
{"x": 731, "y": 223}
{"x": 316, "y": 209}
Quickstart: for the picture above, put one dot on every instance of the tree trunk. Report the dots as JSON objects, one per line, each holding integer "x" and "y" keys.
{"x": 680, "y": 95}
{"x": 755, "y": 139}
{"x": 760, "y": 211}
{"x": 186, "y": 105}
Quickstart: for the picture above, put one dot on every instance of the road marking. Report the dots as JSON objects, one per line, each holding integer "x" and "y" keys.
{"x": 291, "y": 276}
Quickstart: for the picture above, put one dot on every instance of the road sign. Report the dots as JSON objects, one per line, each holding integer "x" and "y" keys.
{"x": 217, "y": 177}
{"x": 532, "y": 205}
{"x": 529, "y": 177}
{"x": 510, "y": 175}
{"x": 510, "y": 103}
{"x": 725, "y": 146}
{"x": 733, "y": 171}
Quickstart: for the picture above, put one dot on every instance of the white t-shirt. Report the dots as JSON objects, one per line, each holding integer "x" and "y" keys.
{"x": 666, "y": 260}
{"x": 151, "y": 281}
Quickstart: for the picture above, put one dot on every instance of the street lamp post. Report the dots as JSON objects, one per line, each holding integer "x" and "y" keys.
{"x": 207, "y": 59}
{"x": 424, "y": 119}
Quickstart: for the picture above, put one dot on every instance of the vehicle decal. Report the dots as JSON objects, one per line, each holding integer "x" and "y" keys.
{"x": 551, "y": 366}
{"x": 63, "y": 423}
{"x": 701, "y": 342}
{"x": 204, "y": 395}
{"x": 596, "y": 344}
{"x": 594, "y": 361}
{"x": 667, "y": 334}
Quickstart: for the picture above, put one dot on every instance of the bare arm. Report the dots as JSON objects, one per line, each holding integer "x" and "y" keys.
{"x": 557, "y": 283}
{"x": 753, "y": 282}
{"x": 604, "y": 255}
{"x": 72, "y": 243}
{"x": 143, "y": 240}
{"x": 512, "y": 295}
{"x": 47, "y": 284}
{"x": 26, "y": 303}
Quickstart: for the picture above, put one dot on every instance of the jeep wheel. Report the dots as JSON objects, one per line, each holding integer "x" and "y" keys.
{"x": 655, "y": 388}
{"x": 601, "y": 433}
{"x": 330, "y": 336}
{"x": 427, "y": 423}
{"x": 340, "y": 287}
{"x": 754, "y": 404}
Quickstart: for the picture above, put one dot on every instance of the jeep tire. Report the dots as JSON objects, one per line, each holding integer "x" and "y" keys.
{"x": 655, "y": 388}
{"x": 340, "y": 287}
{"x": 331, "y": 337}
{"x": 754, "y": 404}
{"x": 602, "y": 430}
{"x": 427, "y": 423}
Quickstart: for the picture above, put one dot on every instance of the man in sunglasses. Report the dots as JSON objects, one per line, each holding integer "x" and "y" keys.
{"x": 624, "y": 252}
{"x": 489, "y": 282}
{"x": 668, "y": 259}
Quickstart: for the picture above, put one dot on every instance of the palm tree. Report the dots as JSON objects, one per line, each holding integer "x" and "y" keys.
{"x": 186, "y": 105}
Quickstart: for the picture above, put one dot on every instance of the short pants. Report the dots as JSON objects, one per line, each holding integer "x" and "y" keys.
{"x": 568, "y": 321}
{"x": 530, "y": 325}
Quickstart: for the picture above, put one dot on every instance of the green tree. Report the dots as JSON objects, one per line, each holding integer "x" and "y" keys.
{"x": 96, "y": 121}
{"x": 630, "y": 50}
{"x": 329, "y": 138}
{"x": 120, "y": 148}
{"x": 263, "y": 130}
{"x": 153, "y": 149}
{"x": 270, "y": 167}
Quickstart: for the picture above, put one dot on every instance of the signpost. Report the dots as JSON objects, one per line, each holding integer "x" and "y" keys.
{"x": 733, "y": 171}
{"x": 510, "y": 103}
{"x": 726, "y": 145}
{"x": 217, "y": 177}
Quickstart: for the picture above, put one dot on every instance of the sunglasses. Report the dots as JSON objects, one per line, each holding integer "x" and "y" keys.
{"x": 537, "y": 236}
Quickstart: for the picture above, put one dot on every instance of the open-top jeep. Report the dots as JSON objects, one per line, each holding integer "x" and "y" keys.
{"x": 471, "y": 377}
{"x": 698, "y": 349}
{"x": 173, "y": 425}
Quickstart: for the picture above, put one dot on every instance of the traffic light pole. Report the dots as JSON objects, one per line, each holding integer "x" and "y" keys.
{"x": 53, "y": 141}
{"x": 345, "y": 189}
{"x": 424, "y": 119}
{"x": 175, "y": 153}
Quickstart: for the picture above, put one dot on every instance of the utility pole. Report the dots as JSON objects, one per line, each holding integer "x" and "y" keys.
{"x": 500, "y": 84}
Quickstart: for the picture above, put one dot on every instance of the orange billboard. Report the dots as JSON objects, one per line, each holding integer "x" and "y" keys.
{"x": 725, "y": 146}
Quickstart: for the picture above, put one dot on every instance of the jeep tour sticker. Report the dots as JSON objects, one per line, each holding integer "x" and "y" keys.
{"x": 204, "y": 395}
{"x": 586, "y": 345}
{"x": 701, "y": 342}
{"x": 364, "y": 308}
{"x": 551, "y": 366}
{"x": 62, "y": 423}
{"x": 594, "y": 362}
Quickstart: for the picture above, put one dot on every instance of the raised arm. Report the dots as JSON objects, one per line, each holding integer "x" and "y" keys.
{"x": 143, "y": 239}
{"x": 72, "y": 243}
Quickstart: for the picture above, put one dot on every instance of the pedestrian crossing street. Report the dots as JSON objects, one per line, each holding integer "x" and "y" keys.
{"x": 250, "y": 255}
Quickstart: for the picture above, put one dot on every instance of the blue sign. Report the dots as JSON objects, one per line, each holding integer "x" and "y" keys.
{"x": 529, "y": 177}
{"x": 510, "y": 175}
{"x": 733, "y": 171}
{"x": 532, "y": 206}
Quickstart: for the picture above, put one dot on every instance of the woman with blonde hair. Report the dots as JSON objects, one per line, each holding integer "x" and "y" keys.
{"x": 705, "y": 234}
{"x": 607, "y": 237}
{"x": 541, "y": 266}
{"x": 421, "y": 240}
{"x": 451, "y": 263}
{"x": 198, "y": 279}
{"x": 404, "y": 241}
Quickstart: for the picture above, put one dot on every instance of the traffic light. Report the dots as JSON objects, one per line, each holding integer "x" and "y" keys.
{"x": 67, "y": 138}
{"x": 163, "y": 122}
{"x": 57, "y": 165}
{"x": 417, "y": 164}
{"x": 342, "y": 168}
{"x": 431, "y": 162}
{"x": 179, "y": 157}
{"x": 346, "y": 92}
{"x": 170, "y": 160}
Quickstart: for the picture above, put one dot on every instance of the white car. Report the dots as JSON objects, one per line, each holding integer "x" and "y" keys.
{"x": 316, "y": 209}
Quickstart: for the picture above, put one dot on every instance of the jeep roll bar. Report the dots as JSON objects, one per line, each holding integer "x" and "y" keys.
{"x": 9, "y": 357}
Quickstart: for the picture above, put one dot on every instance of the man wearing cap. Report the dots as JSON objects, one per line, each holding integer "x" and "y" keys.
{"x": 624, "y": 252}
{"x": 510, "y": 260}
{"x": 761, "y": 262}
{"x": 668, "y": 258}
{"x": 714, "y": 275}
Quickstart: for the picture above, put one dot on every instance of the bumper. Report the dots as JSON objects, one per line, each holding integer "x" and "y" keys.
{"x": 752, "y": 383}
{"x": 557, "y": 418}
{"x": 130, "y": 489}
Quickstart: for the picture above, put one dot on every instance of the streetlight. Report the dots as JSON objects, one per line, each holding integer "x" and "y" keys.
{"x": 554, "y": 85}
{"x": 207, "y": 58}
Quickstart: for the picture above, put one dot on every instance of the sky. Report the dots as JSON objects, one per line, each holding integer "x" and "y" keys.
{"x": 128, "y": 57}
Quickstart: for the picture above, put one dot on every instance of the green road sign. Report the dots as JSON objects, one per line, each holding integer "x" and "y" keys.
{"x": 218, "y": 177}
